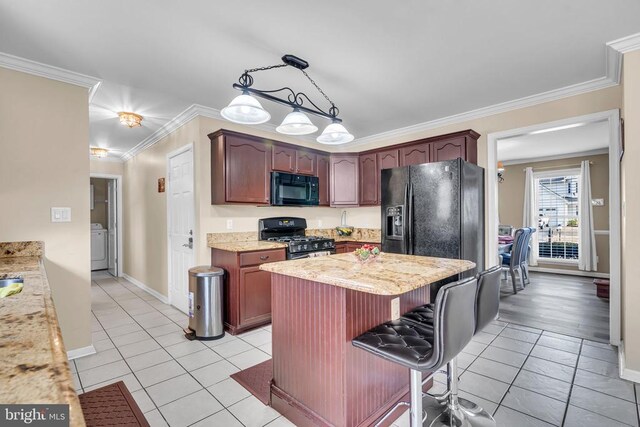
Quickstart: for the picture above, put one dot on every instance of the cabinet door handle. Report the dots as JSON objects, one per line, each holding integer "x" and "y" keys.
{"x": 264, "y": 257}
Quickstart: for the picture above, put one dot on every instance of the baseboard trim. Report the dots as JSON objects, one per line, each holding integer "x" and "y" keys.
{"x": 626, "y": 373}
{"x": 570, "y": 272}
{"x": 81, "y": 352}
{"x": 145, "y": 288}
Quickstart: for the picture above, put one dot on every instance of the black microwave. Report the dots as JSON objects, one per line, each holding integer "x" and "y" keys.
{"x": 289, "y": 189}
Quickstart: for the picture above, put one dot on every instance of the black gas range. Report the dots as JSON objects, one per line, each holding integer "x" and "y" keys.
{"x": 291, "y": 230}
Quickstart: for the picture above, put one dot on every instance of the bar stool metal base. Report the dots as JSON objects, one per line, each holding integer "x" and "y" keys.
{"x": 465, "y": 414}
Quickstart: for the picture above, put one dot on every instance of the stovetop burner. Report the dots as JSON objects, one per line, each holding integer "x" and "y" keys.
{"x": 287, "y": 239}
{"x": 291, "y": 231}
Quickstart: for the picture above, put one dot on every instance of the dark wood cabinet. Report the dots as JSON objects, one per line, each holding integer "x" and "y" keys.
{"x": 255, "y": 296}
{"x": 464, "y": 146}
{"x": 388, "y": 159}
{"x": 284, "y": 159}
{"x": 344, "y": 180}
{"x": 247, "y": 289}
{"x": 415, "y": 154}
{"x": 305, "y": 163}
{"x": 323, "y": 170}
{"x": 369, "y": 179}
{"x": 240, "y": 169}
{"x": 287, "y": 159}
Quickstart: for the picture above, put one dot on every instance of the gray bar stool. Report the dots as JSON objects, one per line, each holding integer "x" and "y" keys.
{"x": 462, "y": 412}
{"x": 426, "y": 347}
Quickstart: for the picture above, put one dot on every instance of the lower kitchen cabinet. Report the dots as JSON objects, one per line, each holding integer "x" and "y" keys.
{"x": 247, "y": 289}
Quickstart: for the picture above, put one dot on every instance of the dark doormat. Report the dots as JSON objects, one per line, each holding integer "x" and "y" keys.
{"x": 257, "y": 379}
{"x": 111, "y": 405}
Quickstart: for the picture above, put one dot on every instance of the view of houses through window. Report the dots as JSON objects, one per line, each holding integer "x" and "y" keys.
{"x": 557, "y": 200}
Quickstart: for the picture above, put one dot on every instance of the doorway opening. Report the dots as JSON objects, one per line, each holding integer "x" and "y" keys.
{"x": 106, "y": 225}
{"x": 180, "y": 224}
{"x": 561, "y": 182}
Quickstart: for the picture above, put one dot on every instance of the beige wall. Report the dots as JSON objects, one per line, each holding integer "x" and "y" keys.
{"x": 106, "y": 167}
{"x": 511, "y": 200}
{"x": 630, "y": 173}
{"x": 99, "y": 211}
{"x": 44, "y": 133}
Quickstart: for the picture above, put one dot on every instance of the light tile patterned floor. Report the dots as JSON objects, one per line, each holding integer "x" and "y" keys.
{"x": 523, "y": 376}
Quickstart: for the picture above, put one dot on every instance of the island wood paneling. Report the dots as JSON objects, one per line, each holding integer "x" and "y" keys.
{"x": 319, "y": 377}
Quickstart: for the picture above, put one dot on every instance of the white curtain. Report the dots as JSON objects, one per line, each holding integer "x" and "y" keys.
{"x": 529, "y": 214}
{"x": 587, "y": 258}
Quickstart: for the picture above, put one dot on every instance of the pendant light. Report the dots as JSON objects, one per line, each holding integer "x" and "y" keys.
{"x": 246, "y": 110}
{"x": 335, "y": 134}
{"x": 296, "y": 123}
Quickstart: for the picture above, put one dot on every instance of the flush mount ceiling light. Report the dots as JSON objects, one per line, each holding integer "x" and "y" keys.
{"x": 245, "y": 109}
{"x": 99, "y": 152}
{"x": 130, "y": 119}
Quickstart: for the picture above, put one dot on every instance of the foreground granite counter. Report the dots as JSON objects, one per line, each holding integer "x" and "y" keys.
{"x": 390, "y": 274}
{"x": 34, "y": 366}
{"x": 318, "y": 306}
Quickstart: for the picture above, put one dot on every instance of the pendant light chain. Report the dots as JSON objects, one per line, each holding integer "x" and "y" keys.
{"x": 265, "y": 68}
{"x": 318, "y": 87}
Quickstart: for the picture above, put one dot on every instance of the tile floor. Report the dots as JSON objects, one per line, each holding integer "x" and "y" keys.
{"x": 523, "y": 376}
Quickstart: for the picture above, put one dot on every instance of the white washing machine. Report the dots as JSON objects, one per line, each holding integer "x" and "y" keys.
{"x": 99, "y": 252}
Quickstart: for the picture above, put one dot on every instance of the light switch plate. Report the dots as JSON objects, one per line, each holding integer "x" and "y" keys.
{"x": 229, "y": 224}
{"x": 597, "y": 202}
{"x": 60, "y": 214}
{"x": 395, "y": 308}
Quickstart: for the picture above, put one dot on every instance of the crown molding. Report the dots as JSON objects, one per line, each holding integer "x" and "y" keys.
{"x": 183, "y": 118}
{"x": 49, "y": 71}
{"x": 596, "y": 152}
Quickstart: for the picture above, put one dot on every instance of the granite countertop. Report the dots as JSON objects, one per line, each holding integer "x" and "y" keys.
{"x": 34, "y": 365}
{"x": 390, "y": 274}
{"x": 248, "y": 241}
{"x": 254, "y": 245}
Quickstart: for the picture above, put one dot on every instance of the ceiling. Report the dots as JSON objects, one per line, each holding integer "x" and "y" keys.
{"x": 385, "y": 65}
{"x": 584, "y": 138}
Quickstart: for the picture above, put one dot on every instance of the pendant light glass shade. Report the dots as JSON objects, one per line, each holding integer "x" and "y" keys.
{"x": 335, "y": 134}
{"x": 246, "y": 110}
{"x": 296, "y": 123}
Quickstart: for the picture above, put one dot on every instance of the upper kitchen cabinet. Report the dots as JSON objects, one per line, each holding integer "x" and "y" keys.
{"x": 305, "y": 163}
{"x": 450, "y": 147}
{"x": 288, "y": 159}
{"x": 369, "y": 179}
{"x": 344, "y": 179}
{"x": 240, "y": 168}
{"x": 323, "y": 169}
{"x": 388, "y": 159}
{"x": 284, "y": 159}
{"x": 415, "y": 154}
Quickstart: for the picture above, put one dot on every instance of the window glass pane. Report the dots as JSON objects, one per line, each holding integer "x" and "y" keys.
{"x": 558, "y": 235}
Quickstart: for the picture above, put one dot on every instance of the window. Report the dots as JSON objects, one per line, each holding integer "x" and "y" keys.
{"x": 557, "y": 206}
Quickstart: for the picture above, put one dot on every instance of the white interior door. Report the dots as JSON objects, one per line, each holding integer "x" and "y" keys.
{"x": 181, "y": 216}
{"x": 112, "y": 226}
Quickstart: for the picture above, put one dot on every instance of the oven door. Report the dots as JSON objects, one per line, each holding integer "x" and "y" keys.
{"x": 311, "y": 254}
{"x": 294, "y": 190}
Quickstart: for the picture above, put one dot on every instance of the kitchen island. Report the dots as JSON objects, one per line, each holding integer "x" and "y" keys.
{"x": 318, "y": 306}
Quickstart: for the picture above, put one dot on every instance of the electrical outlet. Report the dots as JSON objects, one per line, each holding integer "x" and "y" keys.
{"x": 319, "y": 223}
{"x": 229, "y": 224}
{"x": 395, "y": 308}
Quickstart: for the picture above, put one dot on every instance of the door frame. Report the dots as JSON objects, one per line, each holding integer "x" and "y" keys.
{"x": 119, "y": 216}
{"x": 613, "y": 119}
{"x": 174, "y": 153}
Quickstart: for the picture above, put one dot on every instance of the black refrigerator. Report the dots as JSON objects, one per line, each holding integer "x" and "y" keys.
{"x": 435, "y": 209}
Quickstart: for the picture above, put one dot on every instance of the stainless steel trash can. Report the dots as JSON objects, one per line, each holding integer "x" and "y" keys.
{"x": 205, "y": 303}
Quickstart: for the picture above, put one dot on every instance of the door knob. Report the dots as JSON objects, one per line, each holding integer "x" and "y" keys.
{"x": 190, "y": 244}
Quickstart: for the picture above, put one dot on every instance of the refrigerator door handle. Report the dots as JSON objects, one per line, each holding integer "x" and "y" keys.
{"x": 410, "y": 220}
{"x": 405, "y": 230}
